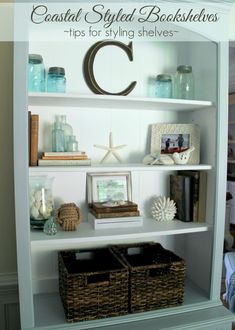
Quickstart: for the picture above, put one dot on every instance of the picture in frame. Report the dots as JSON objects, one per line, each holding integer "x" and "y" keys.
{"x": 108, "y": 187}
{"x": 170, "y": 138}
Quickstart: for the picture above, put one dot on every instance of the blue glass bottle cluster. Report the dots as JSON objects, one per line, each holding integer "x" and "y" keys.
{"x": 62, "y": 136}
{"x": 52, "y": 80}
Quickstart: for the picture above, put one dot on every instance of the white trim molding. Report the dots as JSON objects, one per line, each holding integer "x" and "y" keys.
{"x": 9, "y": 302}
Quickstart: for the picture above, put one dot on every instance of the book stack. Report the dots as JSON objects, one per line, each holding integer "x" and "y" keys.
{"x": 109, "y": 215}
{"x": 66, "y": 158}
{"x": 188, "y": 190}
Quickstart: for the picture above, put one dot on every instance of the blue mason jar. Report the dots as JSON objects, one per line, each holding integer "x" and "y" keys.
{"x": 36, "y": 73}
{"x": 56, "y": 81}
{"x": 164, "y": 86}
{"x": 184, "y": 82}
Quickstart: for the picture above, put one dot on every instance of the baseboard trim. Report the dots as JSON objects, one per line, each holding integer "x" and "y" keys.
{"x": 7, "y": 279}
{"x": 9, "y": 302}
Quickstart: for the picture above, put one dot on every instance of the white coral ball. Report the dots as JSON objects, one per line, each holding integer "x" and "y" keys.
{"x": 163, "y": 209}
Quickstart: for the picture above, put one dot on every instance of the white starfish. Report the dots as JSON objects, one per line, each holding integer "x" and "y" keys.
{"x": 111, "y": 150}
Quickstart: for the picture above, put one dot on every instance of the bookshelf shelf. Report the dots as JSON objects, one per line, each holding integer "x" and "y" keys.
{"x": 118, "y": 102}
{"x": 195, "y": 299}
{"x": 85, "y": 234}
{"x": 118, "y": 167}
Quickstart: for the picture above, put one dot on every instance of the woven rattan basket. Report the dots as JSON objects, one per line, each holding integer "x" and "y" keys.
{"x": 93, "y": 284}
{"x": 156, "y": 276}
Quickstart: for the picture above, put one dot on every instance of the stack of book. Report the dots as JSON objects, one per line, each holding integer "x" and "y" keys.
{"x": 108, "y": 215}
{"x": 66, "y": 158}
{"x": 189, "y": 191}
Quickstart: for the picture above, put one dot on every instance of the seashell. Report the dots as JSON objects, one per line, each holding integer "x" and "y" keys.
{"x": 37, "y": 204}
{"x": 49, "y": 208}
{"x": 34, "y": 213}
{"x": 158, "y": 159}
{"x": 148, "y": 159}
{"x": 38, "y": 195}
{"x": 166, "y": 160}
{"x": 163, "y": 209}
{"x": 43, "y": 210}
{"x": 182, "y": 157}
{"x": 31, "y": 200}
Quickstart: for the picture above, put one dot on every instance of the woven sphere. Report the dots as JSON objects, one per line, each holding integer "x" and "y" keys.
{"x": 69, "y": 216}
{"x": 163, "y": 209}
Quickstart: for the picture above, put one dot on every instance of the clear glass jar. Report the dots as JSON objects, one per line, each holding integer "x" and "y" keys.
{"x": 56, "y": 81}
{"x": 72, "y": 143}
{"x": 184, "y": 82}
{"x": 58, "y": 136}
{"x": 36, "y": 73}
{"x": 164, "y": 86}
{"x": 40, "y": 200}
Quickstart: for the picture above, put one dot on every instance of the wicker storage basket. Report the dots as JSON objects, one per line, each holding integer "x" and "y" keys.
{"x": 156, "y": 276}
{"x": 93, "y": 284}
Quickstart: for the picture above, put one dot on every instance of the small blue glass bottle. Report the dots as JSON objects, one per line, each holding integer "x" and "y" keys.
{"x": 36, "y": 73}
{"x": 58, "y": 137}
{"x": 164, "y": 86}
{"x": 72, "y": 143}
{"x": 56, "y": 81}
{"x": 68, "y": 131}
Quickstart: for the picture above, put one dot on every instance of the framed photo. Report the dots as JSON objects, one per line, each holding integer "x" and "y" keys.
{"x": 170, "y": 138}
{"x": 109, "y": 187}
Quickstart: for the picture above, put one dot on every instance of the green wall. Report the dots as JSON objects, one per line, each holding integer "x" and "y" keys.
{"x": 7, "y": 221}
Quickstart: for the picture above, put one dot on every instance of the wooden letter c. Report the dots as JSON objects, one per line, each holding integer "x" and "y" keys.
{"x": 88, "y": 63}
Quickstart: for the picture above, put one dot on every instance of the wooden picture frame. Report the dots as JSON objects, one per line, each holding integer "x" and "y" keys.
{"x": 109, "y": 186}
{"x": 170, "y": 138}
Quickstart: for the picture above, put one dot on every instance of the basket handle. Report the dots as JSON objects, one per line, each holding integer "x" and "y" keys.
{"x": 155, "y": 272}
{"x": 98, "y": 279}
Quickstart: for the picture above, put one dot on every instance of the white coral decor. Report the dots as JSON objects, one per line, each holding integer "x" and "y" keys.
{"x": 163, "y": 209}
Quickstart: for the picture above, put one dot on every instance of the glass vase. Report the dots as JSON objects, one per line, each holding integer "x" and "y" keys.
{"x": 41, "y": 200}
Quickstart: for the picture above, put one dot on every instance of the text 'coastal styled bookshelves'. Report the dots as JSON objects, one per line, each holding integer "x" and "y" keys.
{"x": 129, "y": 118}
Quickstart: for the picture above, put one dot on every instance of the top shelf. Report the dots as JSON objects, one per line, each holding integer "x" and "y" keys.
{"x": 124, "y": 102}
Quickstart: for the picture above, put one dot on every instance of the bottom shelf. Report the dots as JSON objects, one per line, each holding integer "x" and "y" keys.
{"x": 49, "y": 312}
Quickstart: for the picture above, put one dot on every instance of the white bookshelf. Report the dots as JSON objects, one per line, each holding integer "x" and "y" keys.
{"x": 130, "y": 117}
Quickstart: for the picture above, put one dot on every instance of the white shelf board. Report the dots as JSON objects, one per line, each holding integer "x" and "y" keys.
{"x": 119, "y": 167}
{"x": 85, "y": 234}
{"x": 231, "y": 141}
{"x": 118, "y": 102}
{"x": 49, "y": 311}
{"x": 230, "y": 161}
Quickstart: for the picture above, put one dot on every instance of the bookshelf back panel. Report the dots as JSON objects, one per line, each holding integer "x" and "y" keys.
{"x": 71, "y": 187}
{"x": 45, "y": 267}
{"x": 92, "y": 126}
{"x": 132, "y": 128}
{"x": 114, "y": 72}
